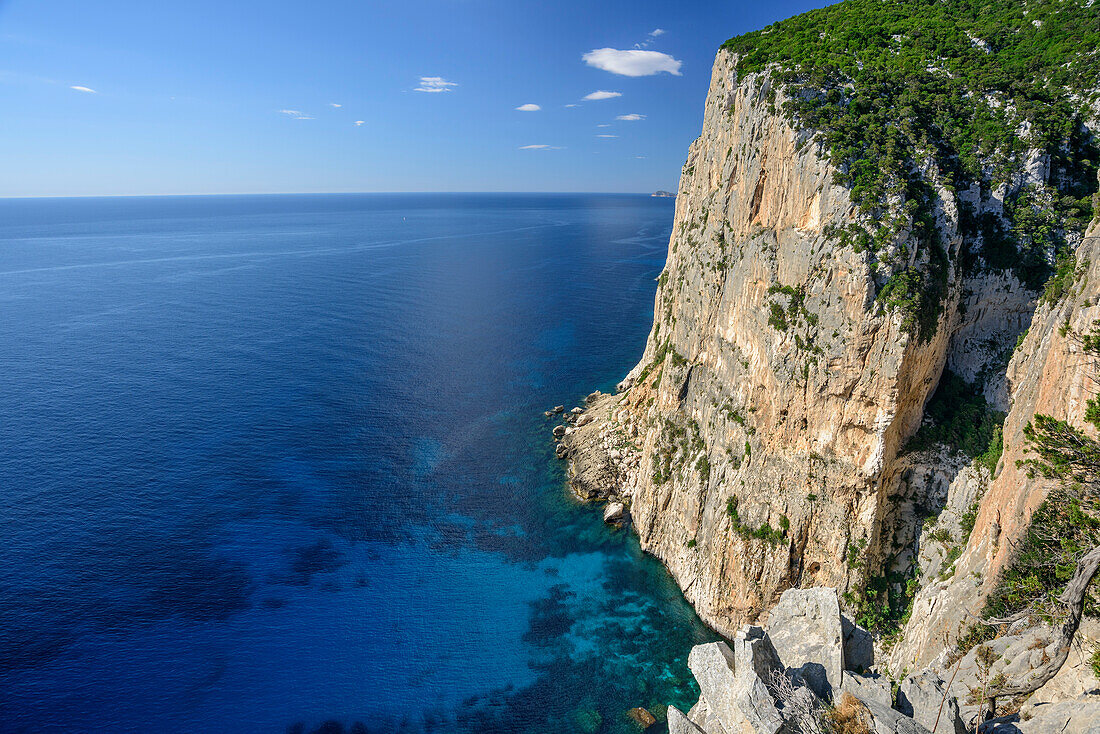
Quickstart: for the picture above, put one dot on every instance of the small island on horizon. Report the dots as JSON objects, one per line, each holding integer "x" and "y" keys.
{"x": 664, "y": 194}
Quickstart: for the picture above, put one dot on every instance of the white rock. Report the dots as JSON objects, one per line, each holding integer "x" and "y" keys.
{"x": 806, "y": 631}
{"x": 614, "y": 512}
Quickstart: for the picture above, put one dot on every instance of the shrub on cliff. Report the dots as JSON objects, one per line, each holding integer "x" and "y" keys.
{"x": 907, "y": 93}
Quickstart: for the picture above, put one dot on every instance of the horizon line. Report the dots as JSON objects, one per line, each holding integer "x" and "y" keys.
{"x": 315, "y": 193}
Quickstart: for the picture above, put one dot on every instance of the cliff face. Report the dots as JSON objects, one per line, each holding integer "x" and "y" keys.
{"x": 1051, "y": 374}
{"x": 758, "y": 438}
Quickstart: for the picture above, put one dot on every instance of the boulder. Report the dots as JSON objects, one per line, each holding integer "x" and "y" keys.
{"x": 642, "y": 717}
{"x": 859, "y": 646}
{"x": 548, "y": 413}
{"x": 559, "y": 431}
{"x": 868, "y": 688}
{"x": 561, "y": 451}
{"x": 886, "y": 720}
{"x": 733, "y": 682}
{"x": 614, "y": 512}
{"x": 921, "y": 697}
{"x": 577, "y": 411}
{"x": 805, "y": 628}
{"x": 584, "y": 420}
{"x": 1077, "y": 716}
{"x": 558, "y": 409}
{"x": 679, "y": 723}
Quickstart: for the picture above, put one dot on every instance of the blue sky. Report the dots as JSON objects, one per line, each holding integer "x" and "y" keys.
{"x": 237, "y": 96}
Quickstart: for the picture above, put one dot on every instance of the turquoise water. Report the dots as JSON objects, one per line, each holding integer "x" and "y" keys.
{"x": 279, "y": 463}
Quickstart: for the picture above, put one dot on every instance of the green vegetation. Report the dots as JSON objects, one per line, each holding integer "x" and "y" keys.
{"x": 794, "y": 313}
{"x": 664, "y": 351}
{"x": 966, "y": 522}
{"x": 1063, "y": 529}
{"x": 1090, "y": 341}
{"x": 703, "y": 467}
{"x": 1065, "y": 275}
{"x": 883, "y": 604}
{"x": 962, "y": 420}
{"x": 907, "y": 94}
{"x": 765, "y": 532}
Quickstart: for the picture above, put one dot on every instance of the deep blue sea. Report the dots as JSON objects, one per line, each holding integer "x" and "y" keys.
{"x": 279, "y": 464}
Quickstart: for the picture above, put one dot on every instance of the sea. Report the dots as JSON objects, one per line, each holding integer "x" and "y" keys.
{"x": 280, "y": 464}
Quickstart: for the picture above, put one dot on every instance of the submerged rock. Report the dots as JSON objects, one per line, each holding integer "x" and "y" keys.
{"x": 642, "y": 717}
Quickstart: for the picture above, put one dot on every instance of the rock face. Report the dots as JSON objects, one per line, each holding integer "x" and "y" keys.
{"x": 1049, "y": 374}
{"x": 1075, "y": 716}
{"x": 772, "y": 378}
{"x": 924, "y": 697}
{"x": 679, "y": 723}
{"x": 760, "y": 444}
{"x": 805, "y": 629}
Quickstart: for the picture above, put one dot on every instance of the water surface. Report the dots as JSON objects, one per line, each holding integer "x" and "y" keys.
{"x": 279, "y": 463}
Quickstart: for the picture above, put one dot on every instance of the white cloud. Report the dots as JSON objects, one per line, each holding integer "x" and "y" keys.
{"x": 573, "y": 105}
{"x": 607, "y": 136}
{"x": 603, "y": 95}
{"x": 528, "y": 108}
{"x": 295, "y": 114}
{"x": 434, "y": 84}
{"x": 632, "y": 62}
{"x": 79, "y": 88}
{"x": 540, "y": 146}
{"x": 640, "y": 157}
{"x": 359, "y": 122}
{"x": 650, "y": 37}
{"x": 334, "y": 105}
{"x": 631, "y": 117}
{"x": 604, "y": 125}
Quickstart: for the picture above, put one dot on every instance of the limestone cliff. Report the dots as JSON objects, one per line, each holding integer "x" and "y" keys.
{"x": 1049, "y": 373}
{"x": 881, "y": 270}
{"x": 758, "y": 438}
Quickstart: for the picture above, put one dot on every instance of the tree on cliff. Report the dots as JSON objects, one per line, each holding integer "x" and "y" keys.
{"x": 1059, "y": 556}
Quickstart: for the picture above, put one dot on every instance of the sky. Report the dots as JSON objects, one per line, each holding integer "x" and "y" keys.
{"x": 201, "y": 97}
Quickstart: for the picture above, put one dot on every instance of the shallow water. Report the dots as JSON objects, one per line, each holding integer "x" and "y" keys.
{"x": 279, "y": 463}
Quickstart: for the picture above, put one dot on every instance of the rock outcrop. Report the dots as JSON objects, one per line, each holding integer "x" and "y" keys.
{"x": 752, "y": 688}
{"x": 763, "y": 445}
{"x": 759, "y": 438}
